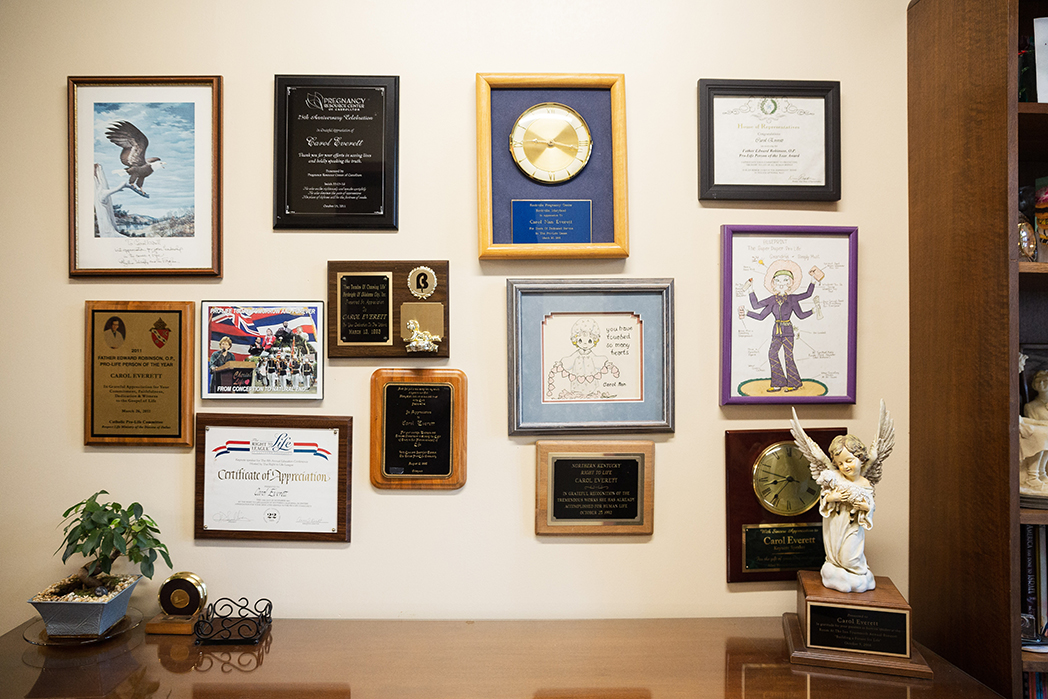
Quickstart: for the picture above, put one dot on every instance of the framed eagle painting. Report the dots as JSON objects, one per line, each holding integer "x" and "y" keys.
{"x": 145, "y": 173}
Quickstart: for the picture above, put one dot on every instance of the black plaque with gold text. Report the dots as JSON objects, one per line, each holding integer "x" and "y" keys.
{"x": 596, "y": 489}
{"x": 418, "y": 430}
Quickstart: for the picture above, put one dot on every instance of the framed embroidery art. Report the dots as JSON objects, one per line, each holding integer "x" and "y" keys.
{"x": 788, "y": 315}
{"x": 590, "y": 355}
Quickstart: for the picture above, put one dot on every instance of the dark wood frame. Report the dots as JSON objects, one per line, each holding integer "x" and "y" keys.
{"x": 535, "y": 83}
{"x": 400, "y": 293}
{"x": 382, "y": 378}
{"x": 830, "y": 91}
{"x": 345, "y": 445}
{"x": 184, "y": 392}
{"x": 589, "y": 450}
{"x": 742, "y": 508}
{"x": 73, "y": 83}
{"x": 387, "y": 219}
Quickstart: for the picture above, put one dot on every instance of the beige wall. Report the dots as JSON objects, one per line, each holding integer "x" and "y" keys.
{"x": 470, "y": 553}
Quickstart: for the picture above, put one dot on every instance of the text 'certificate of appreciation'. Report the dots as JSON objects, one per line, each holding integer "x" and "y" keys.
{"x": 261, "y": 479}
{"x": 769, "y": 140}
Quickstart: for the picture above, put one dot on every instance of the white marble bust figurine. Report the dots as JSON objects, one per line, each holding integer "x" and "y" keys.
{"x": 1033, "y": 440}
{"x": 847, "y": 478}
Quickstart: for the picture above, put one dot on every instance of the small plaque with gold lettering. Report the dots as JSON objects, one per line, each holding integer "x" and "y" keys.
{"x": 388, "y": 309}
{"x": 418, "y": 428}
{"x": 594, "y": 487}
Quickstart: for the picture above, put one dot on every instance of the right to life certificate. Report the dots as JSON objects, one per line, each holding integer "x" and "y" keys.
{"x": 764, "y": 140}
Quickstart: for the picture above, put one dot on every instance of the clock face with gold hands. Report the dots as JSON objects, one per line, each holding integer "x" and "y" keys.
{"x": 782, "y": 480}
{"x": 550, "y": 142}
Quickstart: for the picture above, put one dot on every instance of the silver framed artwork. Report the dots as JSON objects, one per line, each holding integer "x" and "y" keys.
{"x": 590, "y": 355}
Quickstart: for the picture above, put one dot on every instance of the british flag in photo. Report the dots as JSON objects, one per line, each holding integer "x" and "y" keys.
{"x": 242, "y": 323}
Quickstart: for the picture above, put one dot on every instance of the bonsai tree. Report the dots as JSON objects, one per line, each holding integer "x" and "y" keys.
{"x": 103, "y": 532}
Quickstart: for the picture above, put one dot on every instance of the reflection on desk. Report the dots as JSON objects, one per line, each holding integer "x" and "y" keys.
{"x": 608, "y": 659}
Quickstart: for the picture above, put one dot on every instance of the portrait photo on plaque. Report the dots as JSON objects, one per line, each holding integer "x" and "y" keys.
{"x": 551, "y": 165}
{"x": 262, "y": 349}
{"x": 594, "y": 487}
{"x": 770, "y": 140}
{"x": 138, "y": 373}
{"x": 390, "y": 308}
{"x": 590, "y": 355}
{"x": 418, "y": 429}
{"x": 788, "y": 314}
{"x": 145, "y": 172}
{"x": 273, "y": 477}
{"x": 336, "y": 152}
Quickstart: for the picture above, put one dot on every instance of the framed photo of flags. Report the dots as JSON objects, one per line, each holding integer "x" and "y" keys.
{"x": 262, "y": 349}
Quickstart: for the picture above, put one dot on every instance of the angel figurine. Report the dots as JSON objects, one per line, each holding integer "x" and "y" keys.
{"x": 847, "y": 478}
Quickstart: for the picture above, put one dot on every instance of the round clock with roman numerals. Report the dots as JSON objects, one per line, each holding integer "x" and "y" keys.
{"x": 782, "y": 480}
{"x": 550, "y": 142}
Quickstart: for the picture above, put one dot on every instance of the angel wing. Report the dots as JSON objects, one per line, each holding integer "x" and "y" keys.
{"x": 817, "y": 459}
{"x": 882, "y": 447}
{"x": 134, "y": 142}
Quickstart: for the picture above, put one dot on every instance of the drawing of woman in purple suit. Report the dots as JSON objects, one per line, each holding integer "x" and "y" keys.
{"x": 782, "y": 280}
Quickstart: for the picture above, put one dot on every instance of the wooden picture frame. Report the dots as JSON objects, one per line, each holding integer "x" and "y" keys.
{"x": 146, "y": 127}
{"x": 275, "y": 350}
{"x": 336, "y": 151}
{"x": 776, "y": 140}
{"x": 627, "y": 326}
{"x": 373, "y": 302}
{"x": 762, "y": 545}
{"x": 573, "y": 228}
{"x": 273, "y": 477}
{"x": 418, "y": 429}
{"x": 817, "y": 268}
{"x": 138, "y": 370}
{"x": 594, "y": 488}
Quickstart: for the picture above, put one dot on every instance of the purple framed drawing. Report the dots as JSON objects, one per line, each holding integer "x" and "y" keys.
{"x": 788, "y": 314}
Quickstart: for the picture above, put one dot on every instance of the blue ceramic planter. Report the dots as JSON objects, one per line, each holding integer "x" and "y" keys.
{"x": 84, "y": 618}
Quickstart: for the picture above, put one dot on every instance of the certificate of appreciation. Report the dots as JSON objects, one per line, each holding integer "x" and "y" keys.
{"x": 769, "y": 140}
{"x": 776, "y": 140}
{"x": 272, "y": 479}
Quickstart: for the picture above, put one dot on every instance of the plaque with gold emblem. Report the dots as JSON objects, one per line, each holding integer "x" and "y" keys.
{"x": 392, "y": 308}
{"x": 774, "y": 527}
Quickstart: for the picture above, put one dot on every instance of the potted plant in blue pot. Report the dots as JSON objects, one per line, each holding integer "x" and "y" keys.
{"x": 93, "y": 599}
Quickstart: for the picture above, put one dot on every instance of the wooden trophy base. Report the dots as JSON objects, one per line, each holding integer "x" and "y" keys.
{"x": 171, "y": 624}
{"x": 867, "y": 631}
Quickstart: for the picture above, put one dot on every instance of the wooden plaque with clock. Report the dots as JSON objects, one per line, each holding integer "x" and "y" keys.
{"x": 774, "y": 527}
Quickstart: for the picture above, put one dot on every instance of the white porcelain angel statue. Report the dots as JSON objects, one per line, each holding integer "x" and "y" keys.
{"x": 847, "y": 477}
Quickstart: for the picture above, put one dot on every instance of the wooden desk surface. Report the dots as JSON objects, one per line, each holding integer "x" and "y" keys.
{"x": 337, "y": 659}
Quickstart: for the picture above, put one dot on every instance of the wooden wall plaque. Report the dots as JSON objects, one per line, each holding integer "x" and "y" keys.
{"x": 372, "y": 302}
{"x": 418, "y": 428}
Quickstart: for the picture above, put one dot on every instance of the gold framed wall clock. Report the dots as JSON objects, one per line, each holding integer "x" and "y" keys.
{"x": 772, "y": 502}
{"x": 551, "y": 165}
